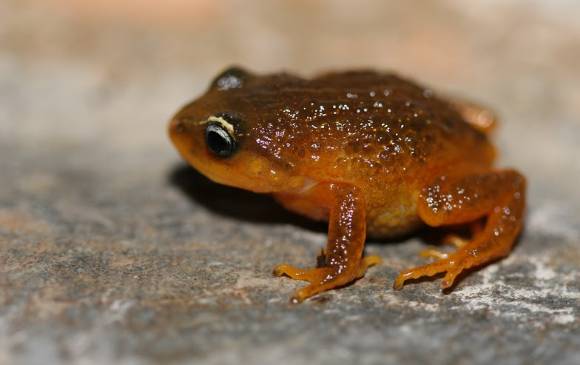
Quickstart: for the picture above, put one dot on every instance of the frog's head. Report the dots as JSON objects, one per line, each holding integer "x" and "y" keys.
{"x": 221, "y": 135}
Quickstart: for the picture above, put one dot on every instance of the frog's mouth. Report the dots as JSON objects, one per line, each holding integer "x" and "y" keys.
{"x": 253, "y": 173}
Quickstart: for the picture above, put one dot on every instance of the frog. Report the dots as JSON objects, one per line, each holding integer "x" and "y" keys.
{"x": 371, "y": 153}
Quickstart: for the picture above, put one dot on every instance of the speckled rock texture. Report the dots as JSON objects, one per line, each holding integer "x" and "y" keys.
{"x": 113, "y": 251}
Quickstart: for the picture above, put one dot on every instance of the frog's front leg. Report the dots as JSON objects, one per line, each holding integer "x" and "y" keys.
{"x": 346, "y": 237}
{"x": 497, "y": 195}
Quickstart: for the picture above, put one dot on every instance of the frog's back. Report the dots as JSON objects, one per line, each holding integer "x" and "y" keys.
{"x": 365, "y": 125}
{"x": 386, "y": 135}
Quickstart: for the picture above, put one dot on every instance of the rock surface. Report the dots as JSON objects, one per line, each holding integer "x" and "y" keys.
{"x": 113, "y": 251}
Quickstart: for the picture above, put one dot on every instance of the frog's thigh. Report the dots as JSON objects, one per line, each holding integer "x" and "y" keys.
{"x": 346, "y": 237}
{"x": 497, "y": 195}
{"x": 478, "y": 116}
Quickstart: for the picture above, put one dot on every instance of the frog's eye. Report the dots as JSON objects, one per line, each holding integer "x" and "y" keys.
{"x": 219, "y": 139}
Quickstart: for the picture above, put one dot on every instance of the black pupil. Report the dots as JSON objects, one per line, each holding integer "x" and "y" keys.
{"x": 219, "y": 140}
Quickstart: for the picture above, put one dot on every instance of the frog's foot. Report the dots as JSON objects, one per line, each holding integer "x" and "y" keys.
{"x": 323, "y": 278}
{"x": 433, "y": 253}
{"x": 367, "y": 262}
{"x": 451, "y": 264}
{"x": 455, "y": 240}
{"x": 310, "y": 275}
{"x": 450, "y": 239}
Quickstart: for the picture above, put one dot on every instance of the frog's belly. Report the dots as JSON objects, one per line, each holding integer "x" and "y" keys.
{"x": 386, "y": 216}
{"x": 392, "y": 210}
{"x": 392, "y": 222}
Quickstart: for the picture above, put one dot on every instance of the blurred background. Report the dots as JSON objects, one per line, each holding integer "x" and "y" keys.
{"x": 112, "y": 72}
{"x": 102, "y": 253}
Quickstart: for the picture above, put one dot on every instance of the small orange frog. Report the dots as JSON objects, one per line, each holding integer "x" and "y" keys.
{"x": 369, "y": 152}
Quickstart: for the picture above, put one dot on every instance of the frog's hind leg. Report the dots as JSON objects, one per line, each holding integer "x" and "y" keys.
{"x": 498, "y": 195}
{"x": 480, "y": 117}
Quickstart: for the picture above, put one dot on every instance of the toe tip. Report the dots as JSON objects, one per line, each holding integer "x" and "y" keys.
{"x": 398, "y": 284}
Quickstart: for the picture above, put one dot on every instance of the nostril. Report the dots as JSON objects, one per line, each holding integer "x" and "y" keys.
{"x": 177, "y": 125}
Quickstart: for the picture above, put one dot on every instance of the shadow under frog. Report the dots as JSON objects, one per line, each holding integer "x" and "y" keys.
{"x": 239, "y": 204}
{"x": 246, "y": 206}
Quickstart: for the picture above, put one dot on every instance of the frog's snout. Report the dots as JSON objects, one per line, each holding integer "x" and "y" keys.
{"x": 177, "y": 126}
{"x": 181, "y": 131}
